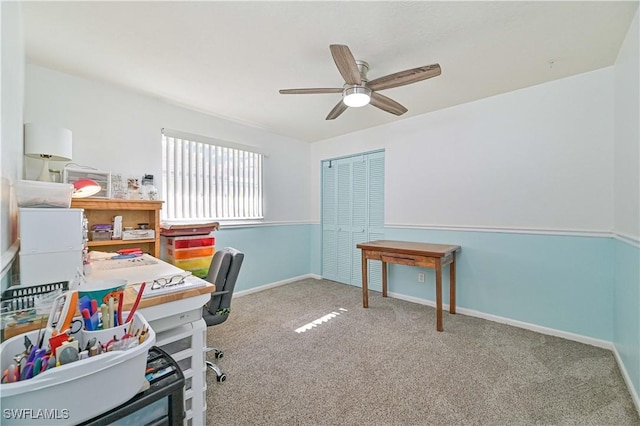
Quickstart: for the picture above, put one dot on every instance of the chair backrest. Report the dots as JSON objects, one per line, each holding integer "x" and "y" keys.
{"x": 219, "y": 269}
{"x": 223, "y": 272}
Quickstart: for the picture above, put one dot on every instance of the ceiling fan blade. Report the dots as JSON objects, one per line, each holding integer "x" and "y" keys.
{"x": 337, "y": 110}
{"x": 405, "y": 77}
{"x": 310, "y": 91}
{"x": 346, "y": 63}
{"x": 387, "y": 104}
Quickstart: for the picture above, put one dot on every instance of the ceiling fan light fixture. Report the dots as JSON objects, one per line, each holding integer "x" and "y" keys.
{"x": 356, "y": 96}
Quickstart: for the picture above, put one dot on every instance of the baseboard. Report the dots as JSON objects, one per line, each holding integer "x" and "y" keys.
{"x": 521, "y": 324}
{"x": 627, "y": 379}
{"x": 275, "y": 284}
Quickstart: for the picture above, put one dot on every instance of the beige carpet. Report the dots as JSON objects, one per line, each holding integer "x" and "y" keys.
{"x": 387, "y": 365}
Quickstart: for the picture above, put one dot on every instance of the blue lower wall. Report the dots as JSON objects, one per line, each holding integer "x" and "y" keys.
{"x": 556, "y": 281}
{"x": 626, "y": 308}
{"x": 272, "y": 253}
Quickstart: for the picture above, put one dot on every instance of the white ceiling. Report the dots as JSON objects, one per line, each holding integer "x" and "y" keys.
{"x": 230, "y": 59}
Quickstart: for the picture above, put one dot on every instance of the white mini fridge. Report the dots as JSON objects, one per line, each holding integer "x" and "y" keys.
{"x": 51, "y": 244}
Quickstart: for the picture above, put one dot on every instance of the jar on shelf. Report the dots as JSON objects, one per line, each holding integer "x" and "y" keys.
{"x": 148, "y": 192}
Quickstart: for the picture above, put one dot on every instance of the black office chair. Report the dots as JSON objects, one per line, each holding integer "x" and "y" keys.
{"x": 223, "y": 272}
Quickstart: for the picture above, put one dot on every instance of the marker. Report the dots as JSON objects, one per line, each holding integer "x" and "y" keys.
{"x": 37, "y": 367}
{"x": 86, "y": 316}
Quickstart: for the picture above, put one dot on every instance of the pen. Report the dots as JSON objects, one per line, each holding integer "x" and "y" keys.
{"x": 123, "y": 256}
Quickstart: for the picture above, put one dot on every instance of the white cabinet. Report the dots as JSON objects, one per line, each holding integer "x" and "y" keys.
{"x": 51, "y": 244}
{"x": 186, "y": 344}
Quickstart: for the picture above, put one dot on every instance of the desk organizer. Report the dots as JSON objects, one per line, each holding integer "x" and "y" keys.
{"x": 78, "y": 391}
{"x": 70, "y": 175}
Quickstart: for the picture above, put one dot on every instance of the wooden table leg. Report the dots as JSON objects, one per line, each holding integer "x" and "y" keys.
{"x": 384, "y": 279}
{"x": 452, "y": 285}
{"x": 439, "y": 295}
{"x": 365, "y": 292}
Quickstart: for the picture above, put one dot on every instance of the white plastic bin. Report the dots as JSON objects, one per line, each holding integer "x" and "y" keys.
{"x": 78, "y": 391}
{"x": 43, "y": 194}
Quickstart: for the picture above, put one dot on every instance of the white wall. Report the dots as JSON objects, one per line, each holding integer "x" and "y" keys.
{"x": 626, "y": 263}
{"x": 119, "y": 131}
{"x": 536, "y": 158}
{"x": 12, "y": 93}
{"x": 627, "y": 136}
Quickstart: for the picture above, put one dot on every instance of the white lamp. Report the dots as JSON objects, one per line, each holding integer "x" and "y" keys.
{"x": 47, "y": 143}
{"x": 356, "y": 96}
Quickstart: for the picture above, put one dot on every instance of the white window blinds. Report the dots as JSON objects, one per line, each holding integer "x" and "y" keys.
{"x": 204, "y": 179}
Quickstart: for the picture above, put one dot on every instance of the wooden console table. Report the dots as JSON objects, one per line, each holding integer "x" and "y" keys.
{"x": 412, "y": 254}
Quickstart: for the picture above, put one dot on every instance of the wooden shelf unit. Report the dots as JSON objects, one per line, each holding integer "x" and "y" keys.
{"x": 133, "y": 212}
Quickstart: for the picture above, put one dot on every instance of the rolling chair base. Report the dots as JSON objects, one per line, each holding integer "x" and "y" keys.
{"x": 220, "y": 376}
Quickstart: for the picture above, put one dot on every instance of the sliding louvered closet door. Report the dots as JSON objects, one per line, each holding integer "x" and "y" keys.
{"x": 352, "y": 212}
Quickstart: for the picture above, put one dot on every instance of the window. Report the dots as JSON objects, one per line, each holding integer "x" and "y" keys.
{"x": 204, "y": 178}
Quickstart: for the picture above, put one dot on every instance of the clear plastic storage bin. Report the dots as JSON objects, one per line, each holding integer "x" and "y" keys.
{"x": 32, "y": 193}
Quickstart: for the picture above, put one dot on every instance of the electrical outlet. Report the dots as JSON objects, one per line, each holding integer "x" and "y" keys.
{"x": 420, "y": 277}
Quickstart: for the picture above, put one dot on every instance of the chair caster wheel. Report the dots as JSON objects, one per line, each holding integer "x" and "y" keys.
{"x": 221, "y": 378}
{"x": 219, "y": 354}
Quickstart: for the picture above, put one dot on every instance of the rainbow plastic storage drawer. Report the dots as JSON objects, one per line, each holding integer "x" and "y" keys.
{"x": 192, "y": 253}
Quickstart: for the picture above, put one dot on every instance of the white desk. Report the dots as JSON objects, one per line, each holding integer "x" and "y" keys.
{"x": 177, "y": 320}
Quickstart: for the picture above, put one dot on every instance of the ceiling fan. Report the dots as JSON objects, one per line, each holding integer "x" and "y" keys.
{"x": 358, "y": 91}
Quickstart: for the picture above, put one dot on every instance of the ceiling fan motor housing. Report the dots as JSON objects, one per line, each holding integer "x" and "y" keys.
{"x": 363, "y": 67}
